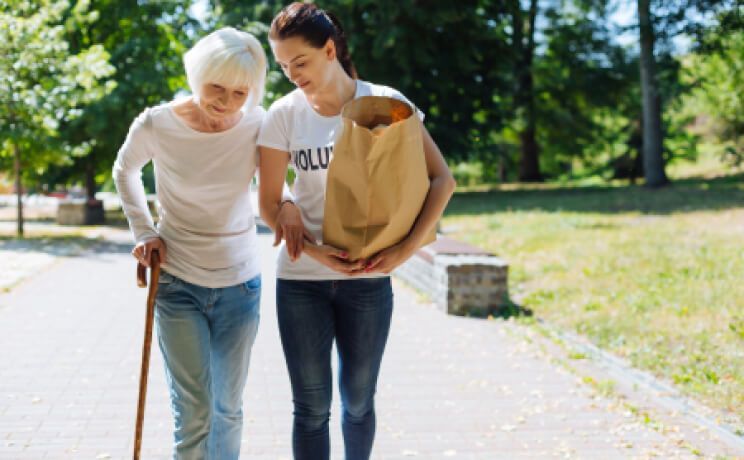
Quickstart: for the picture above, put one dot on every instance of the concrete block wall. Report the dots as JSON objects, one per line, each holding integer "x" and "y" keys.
{"x": 470, "y": 285}
{"x": 459, "y": 284}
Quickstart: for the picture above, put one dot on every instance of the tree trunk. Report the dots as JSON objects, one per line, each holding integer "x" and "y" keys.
{"x": 529, "y": 165}
{"x": 653, "y": 159}
{"x": 90, "y": 179}
{"x": 18, "y": 186}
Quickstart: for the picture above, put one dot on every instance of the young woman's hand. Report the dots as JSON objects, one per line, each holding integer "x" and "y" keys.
{"x": 333, "y": 258}
{"x": 289, "y": 226}
{"x": 143, "y": 251}
{"x": 388, "y": 259}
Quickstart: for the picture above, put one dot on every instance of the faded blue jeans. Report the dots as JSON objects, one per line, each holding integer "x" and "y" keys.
{"x": 206, "y": 336}
{"x": 356, "y": 313}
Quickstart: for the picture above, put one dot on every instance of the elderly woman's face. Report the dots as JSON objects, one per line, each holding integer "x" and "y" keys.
{"x": 218, "y": 101}
{"x": 304, "y": 65}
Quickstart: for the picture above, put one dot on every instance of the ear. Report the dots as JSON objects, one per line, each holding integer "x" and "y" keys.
{"x": 329, "y": 49}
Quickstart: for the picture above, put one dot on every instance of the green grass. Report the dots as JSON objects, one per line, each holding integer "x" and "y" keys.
{"x": 655, "y": 276}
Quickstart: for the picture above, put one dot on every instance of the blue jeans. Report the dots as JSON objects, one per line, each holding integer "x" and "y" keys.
{"x": 356, "y": 313}
{"x": 206, "y": 337}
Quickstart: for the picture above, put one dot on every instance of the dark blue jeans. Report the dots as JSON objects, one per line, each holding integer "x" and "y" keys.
{"x": 356, "y": 313}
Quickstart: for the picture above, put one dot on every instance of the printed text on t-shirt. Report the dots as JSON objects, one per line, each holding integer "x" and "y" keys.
{"x": 312, "y": 159}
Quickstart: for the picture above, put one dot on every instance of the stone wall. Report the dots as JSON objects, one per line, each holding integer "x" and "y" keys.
{"x": 460, "y": 279}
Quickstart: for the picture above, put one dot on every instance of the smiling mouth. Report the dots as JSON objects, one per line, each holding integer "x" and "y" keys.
{"x": 302, "y": 85}
{"x": 218, "y": 110}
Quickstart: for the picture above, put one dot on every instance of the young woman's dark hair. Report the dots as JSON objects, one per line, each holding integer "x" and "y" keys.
{"x": 315, "y": 26}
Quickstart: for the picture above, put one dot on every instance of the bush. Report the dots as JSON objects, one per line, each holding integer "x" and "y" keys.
{"x": 468, "y": 173}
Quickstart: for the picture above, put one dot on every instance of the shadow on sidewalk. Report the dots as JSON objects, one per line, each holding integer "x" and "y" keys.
{"x": 63, "y": 245}
{"x": 508, "y": 309}
{"x": 512, "y": 309}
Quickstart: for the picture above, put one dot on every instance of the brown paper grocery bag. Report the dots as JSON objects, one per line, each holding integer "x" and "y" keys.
{"x": 377, "y": 180}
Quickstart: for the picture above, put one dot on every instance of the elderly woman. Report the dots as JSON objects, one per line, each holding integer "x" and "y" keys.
{"x": 207, "y": 309}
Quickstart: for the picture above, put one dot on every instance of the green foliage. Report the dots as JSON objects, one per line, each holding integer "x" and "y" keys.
{"x": 468, "y": 173}
{"x": 588, "y": 100}
{"x": 717, "y": 96}
{"x": 464, "y": 64}
{"x": 46, "y": 83}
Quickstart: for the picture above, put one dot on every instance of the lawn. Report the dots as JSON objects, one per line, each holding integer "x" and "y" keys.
{"x": 654, "y": 276}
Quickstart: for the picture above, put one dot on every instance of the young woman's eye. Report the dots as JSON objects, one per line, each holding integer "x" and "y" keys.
{"x": 301, "y": 64}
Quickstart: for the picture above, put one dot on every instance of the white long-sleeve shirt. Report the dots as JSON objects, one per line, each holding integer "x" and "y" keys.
{"x": 203, "y": 187}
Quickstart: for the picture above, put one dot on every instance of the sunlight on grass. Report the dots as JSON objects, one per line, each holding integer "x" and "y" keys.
{"x": 654, "y": 276}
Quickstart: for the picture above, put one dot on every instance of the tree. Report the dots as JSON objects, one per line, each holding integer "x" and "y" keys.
{"x": 653, "y": 159}
{"x": 585, "y": 85}
{"x": 523, "y": 44}
{"x": 675, "y": 17}
{"x": 46, "y": 85}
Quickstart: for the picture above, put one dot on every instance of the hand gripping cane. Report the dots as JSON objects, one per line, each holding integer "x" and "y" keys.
{"x": 149, "y": 319}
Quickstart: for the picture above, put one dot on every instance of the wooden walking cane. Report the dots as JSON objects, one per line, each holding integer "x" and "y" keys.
{"x": 149, "y": 319}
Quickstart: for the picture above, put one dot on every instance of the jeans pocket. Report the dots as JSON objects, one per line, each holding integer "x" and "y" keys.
{"x": 166, "y": 281}
{"x": 252, "y": 286}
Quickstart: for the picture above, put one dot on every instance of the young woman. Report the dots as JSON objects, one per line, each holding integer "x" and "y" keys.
{"x": 207, "y": 308}
{"x": 321, "y": 296}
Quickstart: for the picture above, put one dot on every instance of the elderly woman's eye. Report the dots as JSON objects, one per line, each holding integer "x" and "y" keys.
{"x": 216, "y": 86}
{"x": 240, "y": 93}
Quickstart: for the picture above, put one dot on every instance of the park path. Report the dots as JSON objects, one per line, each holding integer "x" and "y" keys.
{"x": 450, "y": 387}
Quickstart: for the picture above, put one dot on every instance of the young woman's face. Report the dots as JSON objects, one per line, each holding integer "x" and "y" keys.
{"x": 309, "y": 68}
{"x": 219, "y": 102}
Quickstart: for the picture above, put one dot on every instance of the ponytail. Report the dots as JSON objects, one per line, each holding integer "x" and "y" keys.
{"x": 342, "y": 46}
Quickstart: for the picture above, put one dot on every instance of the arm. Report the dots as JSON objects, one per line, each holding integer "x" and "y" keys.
{"x": 127, "y": 173}
{"x": 285, "y": 219}
{"x": 282, "y": 216}
{"x": 441, "y": 187}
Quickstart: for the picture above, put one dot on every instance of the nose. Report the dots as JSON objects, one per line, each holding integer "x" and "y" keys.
{"x": 224, "y": 100}
{"x": 293, "y": 76}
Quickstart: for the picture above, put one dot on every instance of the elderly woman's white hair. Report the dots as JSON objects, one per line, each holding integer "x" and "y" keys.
{"x": 229, "y": 58}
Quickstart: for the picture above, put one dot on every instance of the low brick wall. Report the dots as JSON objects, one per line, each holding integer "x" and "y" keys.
{"x": 459, "y": 278}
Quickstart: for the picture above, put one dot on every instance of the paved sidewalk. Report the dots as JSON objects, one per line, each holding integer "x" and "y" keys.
{"x": 70, "y": 344}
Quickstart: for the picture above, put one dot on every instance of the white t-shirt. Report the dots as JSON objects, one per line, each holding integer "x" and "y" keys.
{"x": 293, "y": 126}
{"x": 203, "y": 187}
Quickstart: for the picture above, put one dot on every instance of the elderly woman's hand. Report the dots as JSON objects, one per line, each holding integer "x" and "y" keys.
{"x": 289, "y": 227}
{"x": 143, "y": 251}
